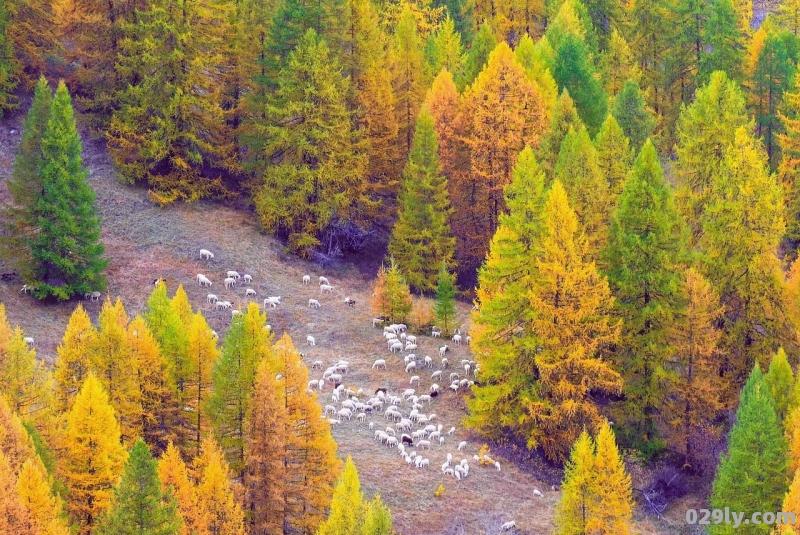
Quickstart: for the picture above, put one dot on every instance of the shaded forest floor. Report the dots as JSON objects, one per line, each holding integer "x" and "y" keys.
{"x": 144, "y": 242}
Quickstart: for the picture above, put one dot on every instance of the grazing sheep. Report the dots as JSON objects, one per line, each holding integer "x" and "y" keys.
{"x": 538, "y": 493}
{"x": 397, "y": 346}
{"x": 376, "y": 322}
{"x": 306, "y": 279}
{"x": 380, "y": 363}
{"x": 411, "y": 338}
{"x": 205, "y": 254}
{"x": 391, "y": 442}
{"x": 211, "y": 298}
{"x": 202, "y": 280}
{"x": 414, "y": 379}
{"x": 234, "y": 275}
{"x": 219, "y": 305}
{"x": 326, "y": 288}
{"x": 428, "y": 362}
{"x": 462, "y": 445}
{"x": 27, "y": 288}
{"x": 361, "y": 417}
{"x": 345, "y": 413}
{"x": 411, "y": 366}
{"x": 371, "y": 425}
{"x": 411, "y": 347}
{"x": 434, "y": 389}
{"x": 441, "y": 441}
{"x": 236, "y": 312}
{"x": 334, "y": 421}
{"x": 424, "y": 463}
{"x": 249, "y": 292}
{"x": 497, "y": 465}
{"x": 436, "y": 333}
{"x": 437, "y": 375}
{"x": 445, "y": 363}
{"x": 323, "y": 280}
{"x": 454, "y": 377}
{"x": 457, "y": 339}
{"x": 443, "y": 350}
{"x": 28, "y": 340}
{"x": 310, "y": 340}
{"x": 329, "y": 408}
{"x": 316, "y": 365}
{"x": 230, "y": 282}
{"x": 313, "y": 303}
{"x": 273, "y": 301}
{"x": 508, "y": 526}
{"x": 452, "y": 430}
{"x": 350, "y": 302}
{"x": 422, "y": 444}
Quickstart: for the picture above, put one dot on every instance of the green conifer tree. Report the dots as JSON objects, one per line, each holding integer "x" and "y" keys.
{"x": 646, "y": 247}
{"x": 725, "y": 50}
{"x": 614, "y": 156}
{"x": 347, "y": 514}
{"x": 564, "y": 117}
{"x": 138, "y": 505}
{"x": 573, "y": 69}
{"x": 66, "y": 250}
{"x": 8, "y": 65}
{"x": 752, "y": 476}
{"x": 444, "y": 309}
{"x": 477, "y": 56}
{"x": 780, "y": 380}
{"x": 631, "y": 112}
{"x": 421, "y": 239}
{"x": 18, "y": 221}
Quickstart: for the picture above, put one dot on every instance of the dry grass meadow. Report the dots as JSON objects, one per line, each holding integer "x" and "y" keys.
{"x": 144, "y": 242}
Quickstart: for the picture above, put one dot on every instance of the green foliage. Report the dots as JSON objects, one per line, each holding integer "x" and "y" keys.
{"x": 780, "y": 380}
{"x": 138, "y": 505}
{"x": 397, "y": 294}
{"x": 461, "y": 11}
{"x": 631, "y": 112}
{"x": 725, "y": 50}
{"x": 752, "y": 475}
{"x": 614, "y": 155}
{"x": 66, "y": 249}
{"x": 646, "y": 248}
{"x": 347, "y": 505}
{"x": 233, "y": 378}
{"x": 444, "y": 50}
{"x": 573, "y": 70}
{"x": 421, "y": 239}
{"x": 477, "y": 56}
{"x": 445, "y": 306}
{"x": 317, "y": 169}
{"x": 377, "y": 519}
{"x": 564, "y": 117}
{"x": 19, "y": 220}
{"x": 8, "y": 65}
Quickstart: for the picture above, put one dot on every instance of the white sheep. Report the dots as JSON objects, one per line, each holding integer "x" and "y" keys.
{"x": 508, "y": 526}
{"x": 452, "y": 430}
{"x": 445, "y": 363}
{"x": 424, "y": 444}
{"x": 424, "y": 463}
{"x": 380, "y": 363}
{"x": 334, "y": 421}
{"x": 234, "y": 275}
{"x": 211, "y": 298}
{"x": 350, "y": 302}
{"x": 467, "y": 368}
{"x": 313, "y": 303}
{"x": 236, "y": 313}
{"x": 414, "y": 379}
{"x": 202, "y": 280}
{"x": 371, "y": 425}
{"x": 316, "y": 365}
{"x": 397, "y": 346}
{"x": 247, "y": 278}
{"x": 273, "y": 301}
{"x": 411, "y": 338}
{"x": 437, "y": 375}
{"x": 538, "y": 493}
{"x": 323, "y": 280}
{"x": 249, "y": 292}
{"x": 310, "y": 340}
{"x": 205, "y": 254}
{"x": 497, "y": 465}
{"x": 306, "y": 279}
{"x": 443, "y": 350}
{"x": 345, "y": 413}
{"x": 391, "y": 442}
{"x": 219, "y": 305}
{"x": 462, "y": 445}
{"x": 28, "y": 340}
{"x": 376, "y": 322}
{"x": 411, "y": 366}
{"x": 435, "y": 333}
{"x": 361, "y": 417}
{"x": 326, "y": 288}
{"x": 411, "y": 347}
{"x": 428, "y": 362}
{"x": 230, "y": 282}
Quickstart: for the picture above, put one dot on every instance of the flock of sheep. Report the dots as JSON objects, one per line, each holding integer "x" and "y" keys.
{"x": 412, "y": 428}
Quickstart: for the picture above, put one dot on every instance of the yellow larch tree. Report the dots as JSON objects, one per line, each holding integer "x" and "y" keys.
{"x": 791, "y": 503}
{"x": 572, "y": 323}
{"x": 172, "y": 472}
{"x": 443, "y": 101}
{"x": 94, "y": 457}
{"x": 114, "y": 366}
{"x": 13, "y": 514}
{"x": 265, "y": 454}
{"x": 215, "y": 497}
{"x": 158, "y": 407}
{"x": 72, "y": 364}
{"x": 574, "y": 510}
{"x": 44, "y": 509}
{"x": 408, "y": 70}
{"x": 613, "y": 516}
{"x": 501, "y": 113}
{"x": 181, "y": 305}
{"x": 202, "y": 354}
{"x": 311, "y": 463}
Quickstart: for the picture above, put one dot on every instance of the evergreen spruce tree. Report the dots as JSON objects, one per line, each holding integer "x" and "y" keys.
{"x": 564, "y": 117}
{"x": 445, "y": 307}
{"x": 445, "y": 51}
{"x": 528, "y": 55}
{"x": 726, "y": 43}
{"x": 346, "y": 516}
{"x": 421, "y": 239}
{"x": 789, "y": 168}
{"x": 646, "y": 249}
{"x": 138, "y": 505}
{"x": 574, "y": 70}
{"x": 631, "y": 112}
{"x": 66, "y": 251}
{"x": 18, "y": 221}
{"x": 233, "y": 377}
{"x": 8, "y": 65}
{"x": 752, "y": 476}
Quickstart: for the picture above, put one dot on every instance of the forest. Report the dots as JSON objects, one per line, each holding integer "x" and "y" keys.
{"x": 611, "y": 185}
